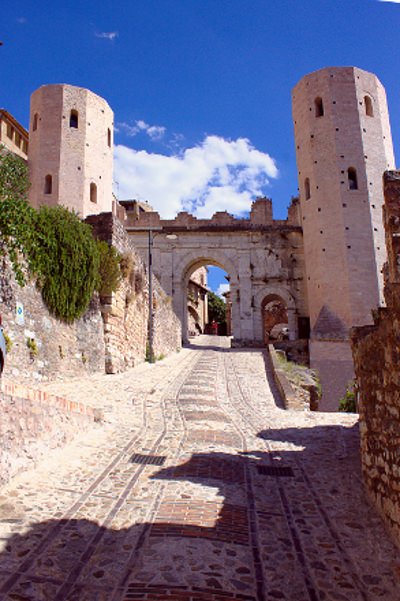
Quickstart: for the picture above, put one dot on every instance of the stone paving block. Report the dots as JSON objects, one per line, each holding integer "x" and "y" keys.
{"x": 90, "y": 524}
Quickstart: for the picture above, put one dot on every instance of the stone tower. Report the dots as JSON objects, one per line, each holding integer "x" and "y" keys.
{"x": 71, "y": 149}
{"x": 343, "y": 146}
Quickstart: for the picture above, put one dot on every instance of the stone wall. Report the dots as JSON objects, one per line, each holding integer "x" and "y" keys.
{"x": 33, "y": 422}
{"x": 63, "y": 350}
{"x": 376, "y": 352}
{"x": 125, "y": 312}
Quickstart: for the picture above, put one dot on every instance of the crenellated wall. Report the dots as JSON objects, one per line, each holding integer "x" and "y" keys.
{"x": 261, "y": 256}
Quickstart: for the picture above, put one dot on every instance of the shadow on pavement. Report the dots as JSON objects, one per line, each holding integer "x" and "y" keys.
{"x": 254, "y": 538}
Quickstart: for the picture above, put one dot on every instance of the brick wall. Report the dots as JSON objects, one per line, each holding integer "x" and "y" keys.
{"x": 33, "y": 422}
{"x": 376, "y": 352}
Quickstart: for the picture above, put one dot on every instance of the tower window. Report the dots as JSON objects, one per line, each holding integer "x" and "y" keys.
{"x": 307, "y": 190}
{"x": 352, "y": 178}
{"x": 369, "y": 109}
{"x": 48, "y": 184}
{"x": 319, "y": 107}
{"x": 109, "y": 137}
{"x": 73, "y": 119}
{"x": 35, "y": 122}
{"x": 93, "y": 192}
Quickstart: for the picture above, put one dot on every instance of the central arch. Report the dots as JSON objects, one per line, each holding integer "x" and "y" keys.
{"x": 185, "y": 267}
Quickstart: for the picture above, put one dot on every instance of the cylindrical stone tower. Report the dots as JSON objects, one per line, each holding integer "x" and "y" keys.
{"x": 71, "y": 149}
{"x": 343, "y": 146}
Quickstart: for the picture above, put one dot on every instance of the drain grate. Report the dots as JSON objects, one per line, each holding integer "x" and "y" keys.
{"x": 148, "y": 459}
{"x": 269, "y": 470}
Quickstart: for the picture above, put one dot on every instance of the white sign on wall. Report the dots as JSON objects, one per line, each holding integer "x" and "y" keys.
{"x": 19, "y": 314}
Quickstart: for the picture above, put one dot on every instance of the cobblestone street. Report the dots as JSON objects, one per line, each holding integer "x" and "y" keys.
{"x": 196, "y": 486}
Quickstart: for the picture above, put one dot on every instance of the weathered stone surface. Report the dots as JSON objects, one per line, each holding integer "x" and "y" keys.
{"x": 125, "y": 313}
{"x": 63, "y": 350}
{"x": 34, "y": 422}
{"x": 376, "y": 352}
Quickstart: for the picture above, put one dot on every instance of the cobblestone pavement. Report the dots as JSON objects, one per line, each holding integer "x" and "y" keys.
{"x": 196, "y": 487}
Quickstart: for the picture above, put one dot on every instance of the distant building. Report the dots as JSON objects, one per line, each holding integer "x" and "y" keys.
{"x": 197, "y": 302}
{"x": 134, "y": 208}
{"x": 13, "y": 135}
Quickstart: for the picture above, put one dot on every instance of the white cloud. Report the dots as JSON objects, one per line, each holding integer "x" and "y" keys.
{"x": 215, "y": 175}
{"x": 394, "y": 1}
{"x": 221, "y": 289}
{"x": 107, "y": 35}
{"x": 155, "y": 132}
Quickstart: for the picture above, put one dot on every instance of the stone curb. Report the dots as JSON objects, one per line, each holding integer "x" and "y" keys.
{"x": 41, "y": 397}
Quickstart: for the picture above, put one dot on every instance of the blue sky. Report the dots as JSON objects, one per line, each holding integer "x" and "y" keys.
{"x": 200, "y": 88}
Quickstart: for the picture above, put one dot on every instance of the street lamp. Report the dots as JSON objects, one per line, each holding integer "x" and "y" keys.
{"x": 152, "y": 234}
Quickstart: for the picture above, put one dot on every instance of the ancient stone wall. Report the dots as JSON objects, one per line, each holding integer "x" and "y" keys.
{"x": 63, "y": 350}
{"x": 376, "y": 352}
{"x": 33, "y": 422}
{"x": 125, "y": 312}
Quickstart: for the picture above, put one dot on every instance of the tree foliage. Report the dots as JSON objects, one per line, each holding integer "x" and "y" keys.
{"x": 17, "y": 235}
{"x": 216, "y": 308}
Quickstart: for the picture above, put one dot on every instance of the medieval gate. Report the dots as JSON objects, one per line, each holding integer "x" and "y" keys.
{"x": 262, "y": 257}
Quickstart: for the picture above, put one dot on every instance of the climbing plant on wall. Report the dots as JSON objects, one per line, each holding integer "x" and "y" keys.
{"x": 17, "y": 234}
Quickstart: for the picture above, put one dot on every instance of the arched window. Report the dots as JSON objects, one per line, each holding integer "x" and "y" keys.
{"x": 307, "y": 189}
{"x": 352, "y": 178}
{"x": 369, "y": 109}
{"x": 48, "y": 184}
{"x": 35, "y": 121}
{"x": 319, "y": 107}
{"x": 93, "y": 192}
{"x": 73, "y": 119}
{"x": 109, "y": 137}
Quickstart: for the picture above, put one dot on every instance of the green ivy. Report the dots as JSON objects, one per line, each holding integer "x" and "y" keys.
{"x": 17, "y": 233}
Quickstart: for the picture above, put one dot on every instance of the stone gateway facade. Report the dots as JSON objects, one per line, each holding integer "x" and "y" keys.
{"x": 320, "y": 268}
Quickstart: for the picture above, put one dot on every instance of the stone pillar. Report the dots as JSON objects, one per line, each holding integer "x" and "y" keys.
{"x": 245, "y": 283}
{"x": 292, "y": 324}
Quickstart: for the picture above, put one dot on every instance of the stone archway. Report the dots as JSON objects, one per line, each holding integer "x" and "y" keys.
{"x": 280, "y": 294}
{"x": 186, "y": 266}
{"x": 274, "y": 318}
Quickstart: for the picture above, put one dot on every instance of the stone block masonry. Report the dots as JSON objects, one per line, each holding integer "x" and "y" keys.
{"x": 62, "y": 350}
{"x": 125, "y": 313}
{"x": 34, "y": 422}
{"x": 376, "y": 352}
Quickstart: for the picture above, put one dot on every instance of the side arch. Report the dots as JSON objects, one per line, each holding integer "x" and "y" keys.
{"x": 284, "y": 293}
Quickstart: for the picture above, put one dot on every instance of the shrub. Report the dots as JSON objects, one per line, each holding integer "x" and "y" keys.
{"x": 8, "y": 341}
{"x": 65, "y": 260}
{"x": 127, "y": 265}
{"x": 348, "y": 403}
{"x": 109, "y": 269}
